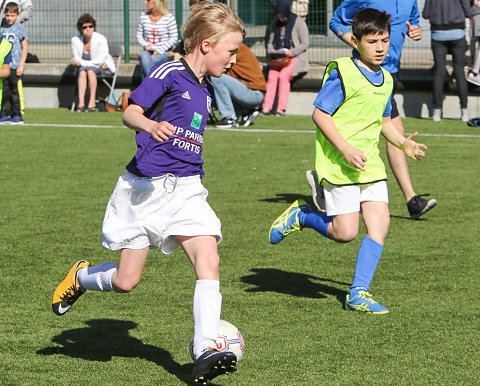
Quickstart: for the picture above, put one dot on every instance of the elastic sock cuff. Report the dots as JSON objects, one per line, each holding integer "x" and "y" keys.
{"x": 375, "y": 247}
{"x": 208, "y": 285}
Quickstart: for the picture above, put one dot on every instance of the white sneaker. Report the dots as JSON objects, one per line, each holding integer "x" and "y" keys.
{"x": 437, "y": 115}
{"x": 317, "y": 190}
{"x": 474, "y": 78}
{"x": 464, "y": 115}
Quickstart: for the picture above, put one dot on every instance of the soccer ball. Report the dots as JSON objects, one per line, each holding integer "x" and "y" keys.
{"x": 229, "y": 339}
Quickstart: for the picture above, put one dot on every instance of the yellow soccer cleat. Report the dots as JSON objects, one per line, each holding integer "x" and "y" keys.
{"x": 288, "y": 221}
{"x": 68, "y": 291}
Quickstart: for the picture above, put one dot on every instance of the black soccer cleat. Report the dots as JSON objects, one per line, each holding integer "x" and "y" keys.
{"x": 417, "y": 206}
{"x": 213, "y": 363}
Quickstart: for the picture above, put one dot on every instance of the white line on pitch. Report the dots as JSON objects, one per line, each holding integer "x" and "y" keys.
{"x": 313, "y": 132}
{"x": 240, "y": 130}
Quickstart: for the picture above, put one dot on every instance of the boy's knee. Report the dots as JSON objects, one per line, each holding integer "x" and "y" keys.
{"x": 212, "y": 261}
{"x": 124, "y": 285}
{"x": 345, "y": 235}
{"x": 208, "y": 263}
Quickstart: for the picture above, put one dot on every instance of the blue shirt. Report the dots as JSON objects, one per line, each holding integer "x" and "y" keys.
{"x": 15, "y": 34}
{"x": 171, "y": 92}
{"x": 331, "y": 95}
{"x": 401, "y": 11}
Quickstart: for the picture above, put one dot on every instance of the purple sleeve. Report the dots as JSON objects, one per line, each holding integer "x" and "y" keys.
{"x": 331, "y": 95}
{"x": 149, "y": 91}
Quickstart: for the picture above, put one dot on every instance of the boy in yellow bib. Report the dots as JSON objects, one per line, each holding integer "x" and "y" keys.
{"x": 351, "y": 110}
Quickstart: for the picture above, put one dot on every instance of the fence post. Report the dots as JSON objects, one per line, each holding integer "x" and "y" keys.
{"x": 126, "y": 29}
{"x": 179, "y": 14}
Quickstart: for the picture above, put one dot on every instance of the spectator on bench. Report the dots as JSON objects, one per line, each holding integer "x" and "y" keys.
{"x": 239, "y": 92}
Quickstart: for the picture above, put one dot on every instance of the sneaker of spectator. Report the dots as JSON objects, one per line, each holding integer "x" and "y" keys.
{"x": 248, "y": 119}
{"x": 473, "y": 78}
{"x": 226, "y": 123}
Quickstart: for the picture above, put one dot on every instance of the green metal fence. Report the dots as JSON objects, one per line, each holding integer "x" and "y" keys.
{"x": 53, "y": 24}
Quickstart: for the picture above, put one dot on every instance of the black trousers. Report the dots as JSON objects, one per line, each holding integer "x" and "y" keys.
{"x": 10, "y": 97}
{"x": 440, "y": 50}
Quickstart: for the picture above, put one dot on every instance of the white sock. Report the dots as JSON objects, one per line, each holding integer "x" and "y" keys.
{"x": 207, "y": 304}
{"x": 97, "y": 278}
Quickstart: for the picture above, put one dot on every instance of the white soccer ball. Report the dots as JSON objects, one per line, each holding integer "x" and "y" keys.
{"x": 229, "y": 339}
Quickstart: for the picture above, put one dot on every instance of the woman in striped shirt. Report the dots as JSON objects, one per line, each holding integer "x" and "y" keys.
{"x": 157, "y": 33}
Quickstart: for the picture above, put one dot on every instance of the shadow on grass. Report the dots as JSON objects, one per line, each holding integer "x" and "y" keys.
{"x": 406, "y": 218}
{"x": 293, "y": 283}
{"x": 288, "y": 198}
{"x": 106, "y": 338}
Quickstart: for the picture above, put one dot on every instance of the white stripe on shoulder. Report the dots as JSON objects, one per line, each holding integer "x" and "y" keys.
{"x": 164, "y": 69}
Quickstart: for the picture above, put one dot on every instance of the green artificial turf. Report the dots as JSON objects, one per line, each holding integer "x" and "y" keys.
{"x": 287, "y": 299}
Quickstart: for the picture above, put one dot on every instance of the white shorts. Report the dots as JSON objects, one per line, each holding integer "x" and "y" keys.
{"x": 149, "y": 212}
{"x": 346, "y": 199}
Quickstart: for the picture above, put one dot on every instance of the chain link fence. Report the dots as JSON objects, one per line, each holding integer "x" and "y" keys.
{"x": 54, "y": 23}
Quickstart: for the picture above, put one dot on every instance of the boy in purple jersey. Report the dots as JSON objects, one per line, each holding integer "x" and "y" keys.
{"x": 160, "y": 201}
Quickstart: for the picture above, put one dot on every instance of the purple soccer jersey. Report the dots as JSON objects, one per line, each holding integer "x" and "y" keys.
{"x": 171, "y": 92}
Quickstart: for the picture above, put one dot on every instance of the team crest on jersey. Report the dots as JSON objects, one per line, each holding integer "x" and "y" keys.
{"x": 196, "y": 121}
{"x": 209, "y": 104}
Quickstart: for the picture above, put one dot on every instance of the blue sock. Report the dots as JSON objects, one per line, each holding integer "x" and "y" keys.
{"x": 315, "y": 220}
{"x": 367, "y": 260}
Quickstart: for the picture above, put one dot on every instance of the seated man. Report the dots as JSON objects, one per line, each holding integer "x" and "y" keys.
{"x": 239, "y": 92}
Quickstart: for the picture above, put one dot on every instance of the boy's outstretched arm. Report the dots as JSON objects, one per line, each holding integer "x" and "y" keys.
{"x": 354, "y": 156}
{"x": 411, "y": 148}
{"x": 134, "y": 119}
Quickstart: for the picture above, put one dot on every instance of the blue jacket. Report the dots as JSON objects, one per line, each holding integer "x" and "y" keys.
{"x": 401, "y": 12}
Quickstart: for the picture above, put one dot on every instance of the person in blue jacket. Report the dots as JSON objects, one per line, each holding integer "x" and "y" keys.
{"x": 405, "y": 18}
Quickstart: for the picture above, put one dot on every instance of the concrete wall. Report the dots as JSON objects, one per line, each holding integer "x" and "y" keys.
{"x": 417, "y": 104}
{"x": 53, "y": 85}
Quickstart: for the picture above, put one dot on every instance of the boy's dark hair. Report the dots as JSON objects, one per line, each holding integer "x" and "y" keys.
{"x": 12, "y": 7}
{"x": 85, "y": 18}
{"x": 370, "y": 21}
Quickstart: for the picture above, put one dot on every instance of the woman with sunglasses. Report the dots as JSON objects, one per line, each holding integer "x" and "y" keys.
{"x": 90, "y": 55}
{"x": 157, "y": 33}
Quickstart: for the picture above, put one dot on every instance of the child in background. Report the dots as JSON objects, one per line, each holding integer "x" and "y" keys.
{"x": 351, "y": 110}
{"x": 16, "y": 34}
{"x": 160, "y": 201}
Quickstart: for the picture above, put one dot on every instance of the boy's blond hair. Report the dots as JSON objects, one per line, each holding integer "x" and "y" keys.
{"x": 212, "y": 21}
